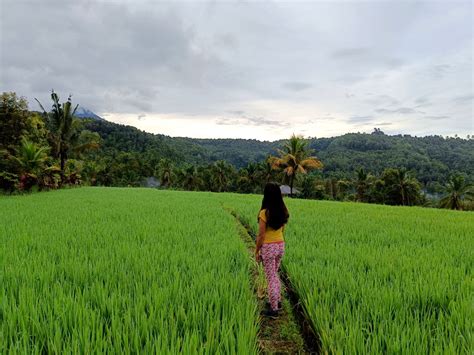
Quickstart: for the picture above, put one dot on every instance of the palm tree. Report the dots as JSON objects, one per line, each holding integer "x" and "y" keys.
{"x": 31, "y": 160}
{"x": 66, "y": 135}
{"x": 295, "y": 159}
{"x": 266, "y": 172}
{"x": 248, "y": 179}
{"x": 361, "y": 184}
{"x": 60, "y": 121}
{"x": 165, "y": 172}
{"x": 190, "y": 178}
{"x": 331, "y": 188}
{"x": 456, "y": 191}
{"x": 400, "y": 188}
{"x": 222, "y": 173}
{"x": 404, "y": 183}
{"x": 30, "y": 157}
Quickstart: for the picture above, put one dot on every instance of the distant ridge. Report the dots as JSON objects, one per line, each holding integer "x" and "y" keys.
{"x": 83, "y": 112}
{"x": 431, "y": 159}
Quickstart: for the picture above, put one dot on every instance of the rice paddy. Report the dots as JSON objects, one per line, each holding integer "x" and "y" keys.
{"x": 139, "y": 270}
{"x": 122, "y": 270}
{"x": 380, "y": 279}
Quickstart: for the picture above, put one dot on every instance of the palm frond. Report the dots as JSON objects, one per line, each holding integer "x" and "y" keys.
{"x": 311, "y": 163}
{"x": 41, "y": 106}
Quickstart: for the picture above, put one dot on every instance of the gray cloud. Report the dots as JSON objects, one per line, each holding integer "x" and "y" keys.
{"x": 110, "y": 55}
{"x": 200, "y": 59}
{"x": 250, "y": 121}
{"x": 140, "y": 117}
{"x": 382, "y": 99}
{"x": 360, "y": 119}
{"x": 351, "y": 53}
{"x": 297, "y": 85}
{"x": 422, "y": 102}
{"x": 440, "y": 70}
{"x": 237, "y": 112}
{"x": 226, "y": 40}
{"x": 401, "y": 110}
{"x": 366, "y": 59}
{"x": 436, "y": 117}
{"x": 464, "y": 99}
{"x": 327, "y": 117}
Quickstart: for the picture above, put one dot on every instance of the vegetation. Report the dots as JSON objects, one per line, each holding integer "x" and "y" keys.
{"x": 35, "y": 150}
{"x": 378, "y": 279}
{"x": 458, "y": 193}
{"x": 371, "y": 168}
{"x": 430, "y": 159}
{"x": 294, "y": 159}
{"x": 65, "y": 131}
{"x": 117, "y": 273}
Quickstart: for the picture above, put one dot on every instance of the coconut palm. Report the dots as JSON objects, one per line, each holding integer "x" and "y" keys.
{"x": 190, "y": 179}
{"x": 400, "y": 188}
{"x": 295, "y": 159}
{"x": 30, "y": 157}
{"x": 457, "y": 191}
{"x": 404, "y": 184}
{"x": 361, "y": 184}
{"x": 165, "y": 172}
{"x": 222, "y": 174}
{"x": 266, "y": 172}
{"x": 248, "y": 179}
{"x": 66, "y": 136}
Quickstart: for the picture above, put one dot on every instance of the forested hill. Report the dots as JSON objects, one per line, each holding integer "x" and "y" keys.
{"x": 431, "y": 158}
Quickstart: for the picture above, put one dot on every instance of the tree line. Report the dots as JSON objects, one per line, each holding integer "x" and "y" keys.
{"x": 50, "y": 149}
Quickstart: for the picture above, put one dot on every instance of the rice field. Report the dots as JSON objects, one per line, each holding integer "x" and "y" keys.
{"x": 123, "y": 270}
{"x": 94, "y": 270}
{"x": 379, "y": 279}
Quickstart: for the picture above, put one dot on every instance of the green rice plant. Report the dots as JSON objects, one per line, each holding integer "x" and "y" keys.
{"x": 96, "y": 270}
{"x": 137, "y": 270}
{"x": 379, "y": 279}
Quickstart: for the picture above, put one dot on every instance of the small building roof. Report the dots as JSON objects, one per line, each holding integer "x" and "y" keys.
{"x": 285, "y": 190}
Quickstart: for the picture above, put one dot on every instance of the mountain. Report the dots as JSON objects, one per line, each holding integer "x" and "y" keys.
{"x": 83, "y": 112}
{"x": 430, "y": 159}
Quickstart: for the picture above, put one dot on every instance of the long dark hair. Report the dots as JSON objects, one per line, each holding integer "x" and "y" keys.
{"x": 276, "y": 211}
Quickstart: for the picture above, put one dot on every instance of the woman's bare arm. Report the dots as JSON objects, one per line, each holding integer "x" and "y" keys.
{"x": 260, "y": 237}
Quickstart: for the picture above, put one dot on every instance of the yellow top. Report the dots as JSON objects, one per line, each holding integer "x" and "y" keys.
{"x": 271, "y": 235}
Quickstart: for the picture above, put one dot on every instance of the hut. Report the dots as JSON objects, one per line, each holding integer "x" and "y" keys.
{"x": 285, "y": 190}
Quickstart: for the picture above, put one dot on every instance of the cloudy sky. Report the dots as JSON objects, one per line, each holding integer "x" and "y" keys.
{"x": 248, "y": 69}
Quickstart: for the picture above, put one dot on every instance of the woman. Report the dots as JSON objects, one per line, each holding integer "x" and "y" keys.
{"x": 270, "y": 244}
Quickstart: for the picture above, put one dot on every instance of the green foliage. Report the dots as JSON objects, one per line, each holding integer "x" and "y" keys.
{"x": 373, "y": 168}
{"x": 378, "y": 279}
{"x": 14, "y": 117}
{"x": 295, "y": 159}
{"x": 66, "y": 136}
{"x": 400, "y": 188}
{"x": 165, "y": 172}
{"x": 110, "y": 270}
{"x": 431, "y": 158}
{"x": 458, "y": 193}
{"x": 30, "y": 157}
{"x": 222, "y": 175}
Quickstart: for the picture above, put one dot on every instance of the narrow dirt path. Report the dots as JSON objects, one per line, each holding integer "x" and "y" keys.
{"x": 290, "y": 333}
